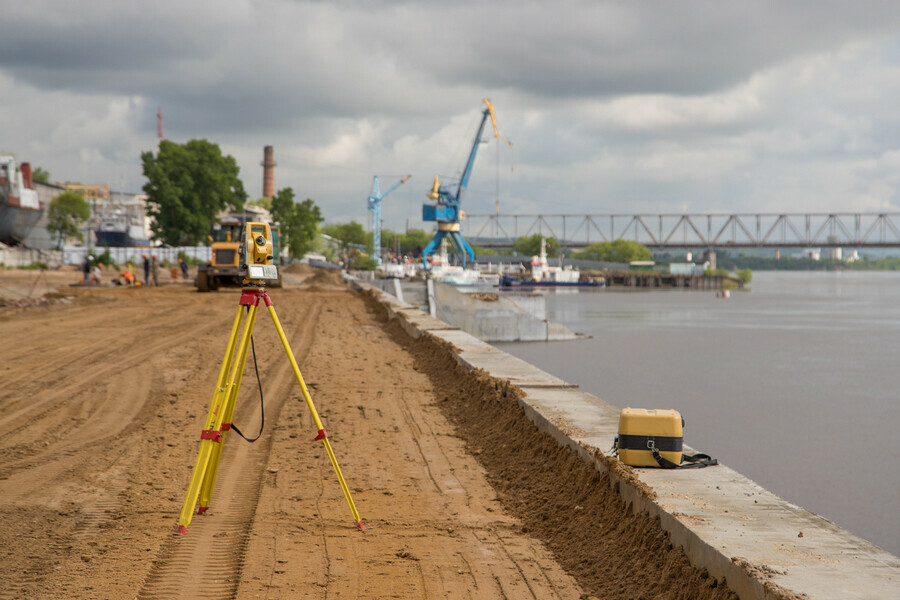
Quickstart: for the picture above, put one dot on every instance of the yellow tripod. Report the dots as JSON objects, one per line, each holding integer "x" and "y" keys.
{"x": 220, "y": 412}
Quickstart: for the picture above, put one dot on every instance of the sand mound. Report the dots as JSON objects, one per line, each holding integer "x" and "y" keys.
{"x": 299, "y": 269}
{"x": 611, "y": 551}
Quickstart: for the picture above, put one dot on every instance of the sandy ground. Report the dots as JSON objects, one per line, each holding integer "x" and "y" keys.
{"x": 104, "y": 392}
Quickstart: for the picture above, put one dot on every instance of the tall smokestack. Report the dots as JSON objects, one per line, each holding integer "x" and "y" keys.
{"x": 26, "y": 175}
{"x": 268, "y": 165}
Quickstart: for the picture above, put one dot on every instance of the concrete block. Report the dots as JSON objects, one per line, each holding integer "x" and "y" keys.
{"x": 475, "y": 354}
{"x": 501, "y": 320}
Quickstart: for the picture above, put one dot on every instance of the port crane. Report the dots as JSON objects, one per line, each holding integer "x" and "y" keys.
{"x": 375, "y": 199}
{"x": 446, "y": 209}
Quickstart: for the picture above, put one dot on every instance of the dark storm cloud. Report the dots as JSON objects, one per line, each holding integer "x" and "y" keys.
{"x": 275, "y": 62}
{"x": 565, "y": 49}
{"x": 665, "y": 104}
{"x": 47, "y": 43}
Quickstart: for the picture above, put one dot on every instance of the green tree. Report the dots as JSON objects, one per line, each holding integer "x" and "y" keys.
{"x": 531, "y": 245}
{"x": 349, "y": 234}
{"x": 364, "y": 263}
{"x": 414, "y": 241}
{"x": 68, "y": 212}
{"x": 479, "y": 251}
{"x": 299, "y": 221}
{"x": 40, "y": 175}
{"x": 351, "y": 237}
{"x": 187, "y": 186}
{"x": 263, "y": 202}
{"x": 620, "y": 251}
{"x": 106, "y": 259}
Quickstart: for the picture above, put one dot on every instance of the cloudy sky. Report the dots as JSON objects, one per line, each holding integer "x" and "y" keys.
{"x": 691, "y": 106}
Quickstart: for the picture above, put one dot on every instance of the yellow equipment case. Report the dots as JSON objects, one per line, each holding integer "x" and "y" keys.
{"x": 655, "y": 438}
{"x": 641, "y": 429}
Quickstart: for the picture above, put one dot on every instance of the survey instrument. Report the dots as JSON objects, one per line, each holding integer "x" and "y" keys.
{"x": 256, "y": 254}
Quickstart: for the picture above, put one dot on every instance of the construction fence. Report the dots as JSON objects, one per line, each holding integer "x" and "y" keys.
{"x": 74, "y": 255}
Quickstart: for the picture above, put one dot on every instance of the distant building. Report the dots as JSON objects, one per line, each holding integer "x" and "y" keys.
{"x": 250, "y": 213}
{"x": 811, "y": 253}
{"x": 134, "y": 206}
{"x": 834, "y": 253}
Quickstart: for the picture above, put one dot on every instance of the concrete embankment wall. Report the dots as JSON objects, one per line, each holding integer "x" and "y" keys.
{"x": 727, "y": 525}
{"x": 500, "y": 320}
{"x": 516, "y": 318}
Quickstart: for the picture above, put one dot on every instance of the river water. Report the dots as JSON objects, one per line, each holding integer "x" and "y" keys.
{"x": 795, "y": 384}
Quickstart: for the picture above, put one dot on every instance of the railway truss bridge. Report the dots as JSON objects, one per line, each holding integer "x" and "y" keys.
{"x": 763, "y": 230}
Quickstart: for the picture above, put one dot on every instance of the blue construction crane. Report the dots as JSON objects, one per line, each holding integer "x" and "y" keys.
{"x": 375, "y": 199}
{"x": 446, "y": 211}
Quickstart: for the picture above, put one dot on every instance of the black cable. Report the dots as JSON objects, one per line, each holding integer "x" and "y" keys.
{"x": 262, "y": 411}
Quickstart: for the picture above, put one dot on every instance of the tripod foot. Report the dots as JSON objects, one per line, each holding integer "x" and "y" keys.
{"x": 360, "y": 526}
{"x": 182, "y": 530}
{"x": 201, "y": 510}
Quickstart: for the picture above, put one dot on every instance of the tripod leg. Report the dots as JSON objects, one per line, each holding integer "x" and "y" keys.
{"x": 322, "y": 435}
{"x": 234, "y": 385}
{"x": 210, "y": 436}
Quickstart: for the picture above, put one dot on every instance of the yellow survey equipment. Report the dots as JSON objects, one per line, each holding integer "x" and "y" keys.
{"x": 655, "y": 438}
{"x": 641, "y": 429}
{"x": 255, "y": 260}
{"x": 256, "y": 253}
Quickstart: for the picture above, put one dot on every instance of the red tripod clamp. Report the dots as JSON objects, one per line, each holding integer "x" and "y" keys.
{"x": 251, "y": 297}
{"x": 211, "y": 434}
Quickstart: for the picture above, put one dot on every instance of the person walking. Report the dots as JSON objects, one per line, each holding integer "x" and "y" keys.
{"x": 154, "y": 268}
{"x": 146, "y": 270}
{"x": 86, "y": 269}
{"x": 184, "y": 268}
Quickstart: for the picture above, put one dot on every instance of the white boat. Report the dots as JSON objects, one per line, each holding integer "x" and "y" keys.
{"x": 404, "y": 270}
{"x": 443, "y": 271}
{"x": 120, "y": 229}
{"x": 542, "y": 272}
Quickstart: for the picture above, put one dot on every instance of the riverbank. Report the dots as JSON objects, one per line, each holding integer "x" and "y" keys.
{"x": 768, "y": 381}
{"x": 726, "y": 524}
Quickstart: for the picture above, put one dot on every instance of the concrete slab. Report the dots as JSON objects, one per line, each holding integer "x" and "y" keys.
{"x": 475, "y": 354}
{"x": 497, "y": 320}
{"x": 725, "y": 522}
{"x": 423, "y": 321}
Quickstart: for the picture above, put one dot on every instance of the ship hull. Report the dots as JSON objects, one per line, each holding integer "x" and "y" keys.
{"x": 118, "y": 239}
{"x": 517, "y": 283}
{"x": 16, "y": 222}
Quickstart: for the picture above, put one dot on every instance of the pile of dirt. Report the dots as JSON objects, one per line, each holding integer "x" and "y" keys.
{"x": 325, "y": 277}
{"x": 299, "y": 269}
{"x": 44, "y": 300}
{"x": 612, "y": 551}
{"x": 315, "y": 279}
{"x": 485, "y": 297}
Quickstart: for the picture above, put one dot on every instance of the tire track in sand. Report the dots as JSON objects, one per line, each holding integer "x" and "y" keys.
{"x": 96, "y": 420}
{"x": 207, "y": 562}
